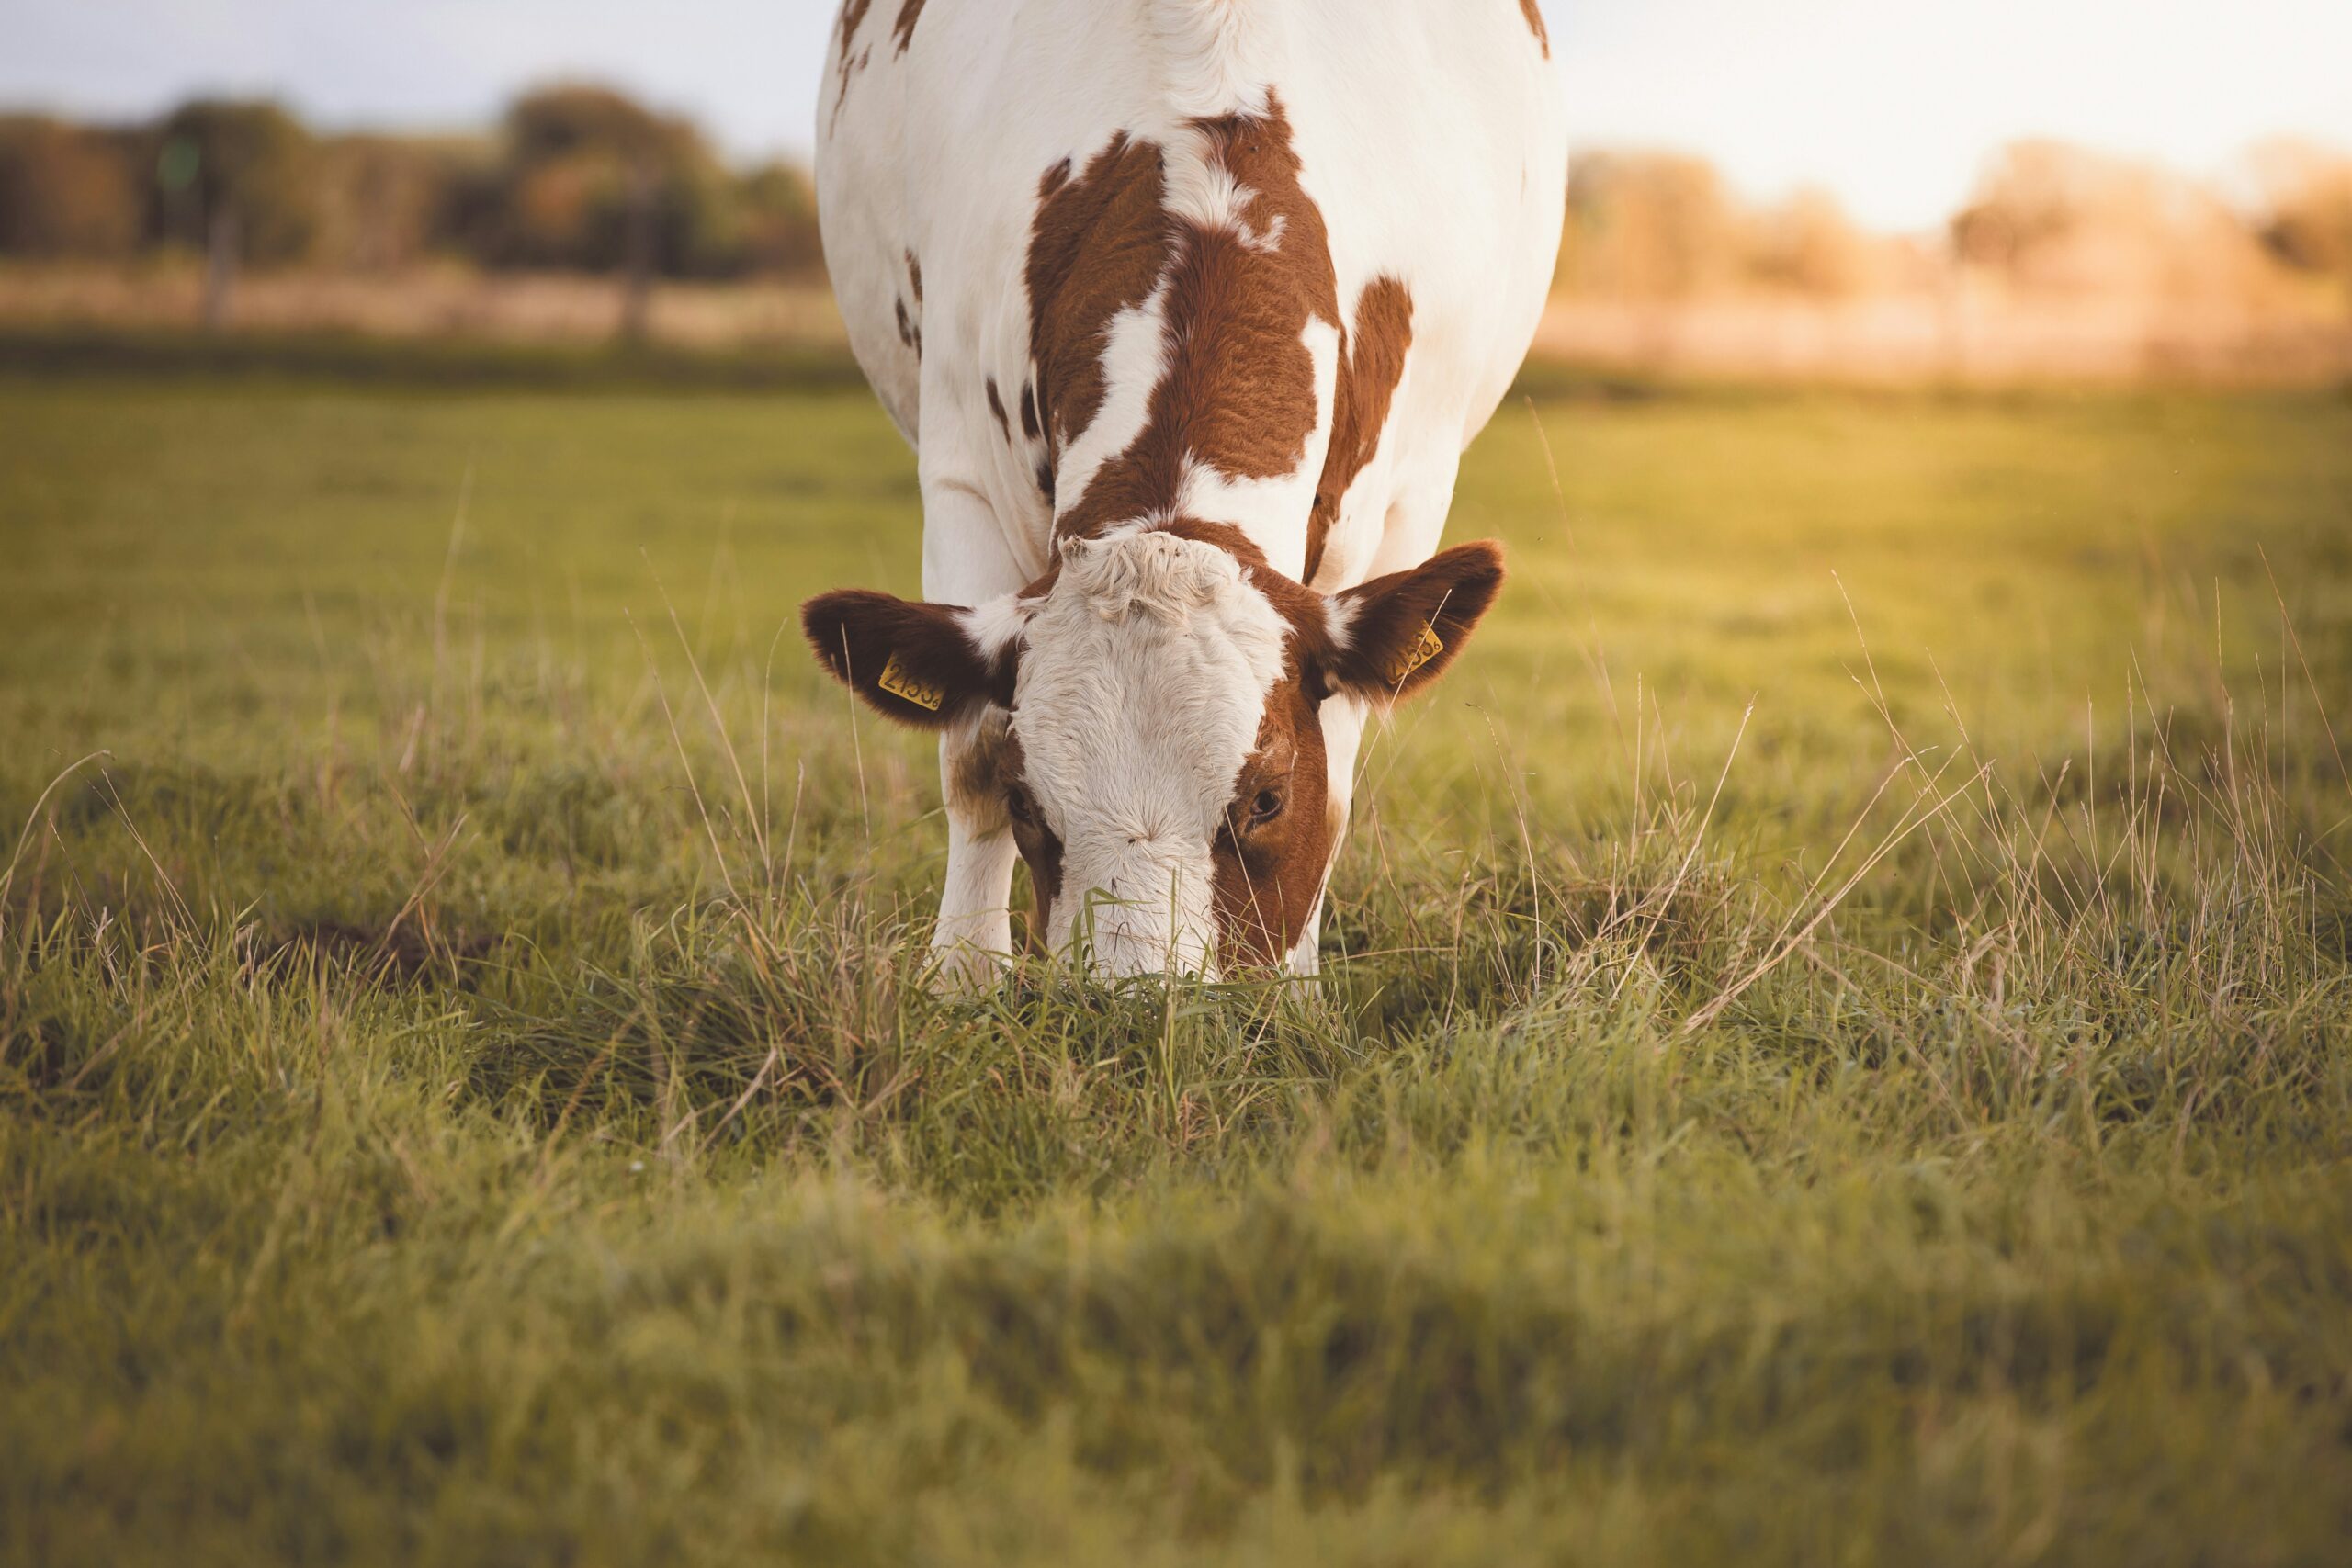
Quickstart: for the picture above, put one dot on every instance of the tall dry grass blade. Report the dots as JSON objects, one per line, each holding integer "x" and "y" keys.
{"x": 179, "y": 905}
{"x": 9, "y": 876}
{"x": 1886, "y": 846}
{"x": 1664, "y": 901}
{"x": 857, "y": 747}
{"x": 2310, "y": 680}
{"x": 436, "y": 865}
{"x": 767, "y": 694}
{"x": 693, "y": 787}
{"x": 710, "y": 704}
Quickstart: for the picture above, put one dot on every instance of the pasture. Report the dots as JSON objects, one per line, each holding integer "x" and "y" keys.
{"x": 1836, "y": 1045}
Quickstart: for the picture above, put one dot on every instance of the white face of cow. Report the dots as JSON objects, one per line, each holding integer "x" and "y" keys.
{"x": 1146, "y": 722}
{"x": 1142, "y": 688}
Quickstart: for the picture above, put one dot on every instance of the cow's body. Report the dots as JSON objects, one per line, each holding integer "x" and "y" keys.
{"x": 1264, "y": 264}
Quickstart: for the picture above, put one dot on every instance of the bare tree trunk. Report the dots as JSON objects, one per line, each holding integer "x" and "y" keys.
{"x": 220, "y": 266}
{"x": 637, "y": 279}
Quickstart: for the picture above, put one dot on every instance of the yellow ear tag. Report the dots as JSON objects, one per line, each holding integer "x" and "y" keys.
{"x": 1429, "y": 648}
{"x": 900, "y": 685}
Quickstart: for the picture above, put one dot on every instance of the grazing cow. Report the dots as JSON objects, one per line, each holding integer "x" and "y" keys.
{"x": 1189, "y": 307}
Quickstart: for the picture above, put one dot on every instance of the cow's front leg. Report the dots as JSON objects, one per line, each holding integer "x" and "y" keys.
{"x": 969, "y": 557}
{"x": 974, "y": 938}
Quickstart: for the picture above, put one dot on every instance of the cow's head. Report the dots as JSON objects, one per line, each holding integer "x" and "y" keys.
{"x": 1147, "y": 719}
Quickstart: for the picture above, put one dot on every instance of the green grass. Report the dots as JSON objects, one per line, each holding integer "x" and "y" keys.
{"x": 468, "y": 1095}
{"x": 450, "y": 364}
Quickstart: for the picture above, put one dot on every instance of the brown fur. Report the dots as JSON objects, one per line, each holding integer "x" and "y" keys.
{"x": 852, "y": 13}
{"x": 856, "y": 633}
{"x": 1098, "y": 246}
{"x": 1266, "y": 879}
{"x": 1447, "y": 594}
{"x": 1372, "y": 361}
{"x": 1238, "y": 391}
{"x": 1534, "y": 15}
{"x": 903, "y": 30}
{"x": 982, "y": 768}
{"x": 996, "y": 407}
{"x": 1040, "y": 850}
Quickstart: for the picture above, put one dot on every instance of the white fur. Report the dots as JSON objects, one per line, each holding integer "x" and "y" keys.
{"x": 1339, "y": 620}
{"x": 1215, "y": 52}
{"x": 1142, "y": 684}
{"x": 1133, "y": 359}
{"x": 1202, "y": 191}
{"x": 1431, "y": 138}
{"x": 996, "y": 626}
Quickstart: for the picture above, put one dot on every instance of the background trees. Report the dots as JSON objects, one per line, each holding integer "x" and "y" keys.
{"x": 574, "y": 178}
{"x": 580, "y": 178}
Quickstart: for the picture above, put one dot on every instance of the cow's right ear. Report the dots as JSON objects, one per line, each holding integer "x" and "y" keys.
{"x": 1393, "y": 636}
{"x": 915, "y": 663}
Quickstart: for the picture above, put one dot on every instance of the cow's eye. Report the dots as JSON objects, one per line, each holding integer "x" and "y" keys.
{"x": 1020, "y": 807}
{"x": 1267, "y": 804}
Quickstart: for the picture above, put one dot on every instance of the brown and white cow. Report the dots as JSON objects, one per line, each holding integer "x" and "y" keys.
{"x": 1189, "y": 307}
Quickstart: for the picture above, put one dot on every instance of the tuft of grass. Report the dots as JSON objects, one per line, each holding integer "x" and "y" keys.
{"x": 1834, "y": 1042}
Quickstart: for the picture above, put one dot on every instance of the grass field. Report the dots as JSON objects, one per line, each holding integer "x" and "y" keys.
{"x": 1837, "y": 1046}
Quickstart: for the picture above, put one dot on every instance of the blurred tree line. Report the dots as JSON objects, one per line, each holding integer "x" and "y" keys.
{"x": 2046, "y": 218}
{"x": 583, "y": 178}
{"x": 575, "y": 178}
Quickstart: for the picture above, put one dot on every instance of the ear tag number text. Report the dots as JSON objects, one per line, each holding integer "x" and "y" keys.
{"x": 1420, "y": 653}
{"x": 905, "y": 687}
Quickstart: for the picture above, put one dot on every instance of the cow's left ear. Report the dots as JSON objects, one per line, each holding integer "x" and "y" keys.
{"x": 1393, "y": 636}
{"x": 917, "y": 664}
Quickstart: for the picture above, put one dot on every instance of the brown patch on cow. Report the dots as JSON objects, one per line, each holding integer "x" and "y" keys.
{"x": 1041, "y": 849}
{"x": 981, "y": 766}
{"x": 914, "y": 275}
{"x": 1268, "y": 873}
{"x": 852, "y": 13}
{"x": 1372, "y": 362}
{"x": 996, "y": 407}
{"x": 1238, "y": 392}
{"x": 903, "y": 30}
{"x": 1098, "y": 246}
{"x": 1045, "y": 476}
{"x": 909, "y": 332}
{"x": 1534, "y": 15}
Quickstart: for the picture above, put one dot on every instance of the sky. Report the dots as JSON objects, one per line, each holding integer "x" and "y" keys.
{"x": 1891, "y": 105}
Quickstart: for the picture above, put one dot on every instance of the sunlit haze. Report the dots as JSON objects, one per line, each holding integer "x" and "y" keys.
{"x": 1892, "y": 106}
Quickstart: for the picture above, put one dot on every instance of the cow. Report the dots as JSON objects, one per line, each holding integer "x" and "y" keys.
{"x": 1189, "y": 309}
